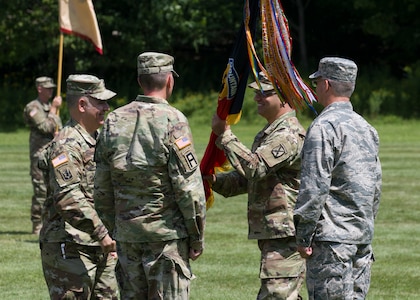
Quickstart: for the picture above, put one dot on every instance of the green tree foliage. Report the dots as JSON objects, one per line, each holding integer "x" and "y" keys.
{"x": 381, "y": 36}
{"x": 26, "y": 27}
{"x": 396, "y": 24}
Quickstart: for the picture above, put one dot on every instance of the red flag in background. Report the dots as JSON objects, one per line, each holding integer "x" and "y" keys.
{"x": 230, "y": 99}
{"x": 78, "y": 17}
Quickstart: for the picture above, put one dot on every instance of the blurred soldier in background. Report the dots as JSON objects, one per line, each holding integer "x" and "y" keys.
{"x": 43, "y": 121}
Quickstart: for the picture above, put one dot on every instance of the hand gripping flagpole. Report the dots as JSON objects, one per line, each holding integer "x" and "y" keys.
{"x": 230, "y": 98}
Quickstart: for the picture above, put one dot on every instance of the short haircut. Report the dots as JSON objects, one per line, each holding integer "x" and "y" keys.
{"x": 72, "y": 100}
{"x": 343, "y": 89}
{"x": 152, "y": 82}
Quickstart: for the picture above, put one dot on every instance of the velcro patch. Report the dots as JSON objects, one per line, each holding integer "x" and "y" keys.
{"x": 182, "y": 142}
{"x": 65, "y": 173}
{"x": 59, "y": 160}
{"x": 33, "y": 112}
{"x": 186, "y": 155}
{"x": 278, "y": 151}
{"x": 190, "y": 160}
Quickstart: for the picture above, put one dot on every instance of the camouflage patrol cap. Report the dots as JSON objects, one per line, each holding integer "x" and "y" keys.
{"x": 336, "y": 68}
{"x": 88, "y": 85}
{"x": 266, "y": 84}
{"x": 154, "y": 63}
{"x": 45, "y": 82}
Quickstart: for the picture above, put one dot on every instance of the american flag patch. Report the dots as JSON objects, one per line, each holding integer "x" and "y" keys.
{"x": 33, "y": 112}
{"x": 182, "y": 142}
{"x": 61, "y": 159}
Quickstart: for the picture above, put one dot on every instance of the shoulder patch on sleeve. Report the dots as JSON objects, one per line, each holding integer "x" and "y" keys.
{"x": 33, "y": 112}
{"x": 59, "y": 160}
{"x": 65, "y": 173}
{"x": 191, "y": 160}
{"x": 182, "y": 142}
{"x": 274, "y": 155}
{"x": 278, "y": 151}
{"x": 186, "y": 155}
{"x": 64, "y": 170}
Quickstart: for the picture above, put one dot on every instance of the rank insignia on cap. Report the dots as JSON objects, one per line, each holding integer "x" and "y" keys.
{"x": 60, "y": 159}
{"x": 278, "y": 151}
{"x": 182, "y": 142}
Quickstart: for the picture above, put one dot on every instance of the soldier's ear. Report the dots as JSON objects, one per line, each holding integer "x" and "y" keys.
{"x": 83, "y": 103}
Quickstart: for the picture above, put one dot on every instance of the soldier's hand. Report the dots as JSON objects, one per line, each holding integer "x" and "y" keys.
{"x": 218, "y": 125}
{"x": 108, "y": 244}
{"x": 57, "y": 101}
{"x": 211, "y": 178}
{"x": 194, "y": 254}
{"x": 305, "y": 252}
{"x": 113, "y": 254}
{"x": 56, "y": 104}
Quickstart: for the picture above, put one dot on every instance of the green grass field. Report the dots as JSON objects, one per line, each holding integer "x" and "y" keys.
{"x": 229, "y": 267}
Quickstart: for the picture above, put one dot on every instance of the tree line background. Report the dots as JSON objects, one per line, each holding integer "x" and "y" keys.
{"x": 381, "y": 36}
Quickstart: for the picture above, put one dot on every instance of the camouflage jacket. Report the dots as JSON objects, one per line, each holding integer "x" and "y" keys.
{"x": 148, "y": 186}
{"x": 69, "y": 169}
{"x": 341, "y": 179}
{"x": 269, "y": 172}
{"x": 42, "y": 123}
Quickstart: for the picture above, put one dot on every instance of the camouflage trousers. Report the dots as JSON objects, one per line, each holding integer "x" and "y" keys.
{"x": 154, "y": 271}
{"x": 338, "y": 271}
{"x": 74, "y": 271}
{"x": 282, "y": 270}
{"x": 39, "y": 193}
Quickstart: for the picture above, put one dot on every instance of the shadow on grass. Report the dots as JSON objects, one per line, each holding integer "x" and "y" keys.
{"x": 15, "y": 233}
{"x": 20, "y": 236}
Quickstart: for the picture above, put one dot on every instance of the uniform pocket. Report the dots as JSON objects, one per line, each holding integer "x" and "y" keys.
{"x": 274, "y": 265}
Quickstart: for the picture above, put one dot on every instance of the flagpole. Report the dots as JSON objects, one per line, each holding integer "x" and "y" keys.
{"x": 60, "y": 67}
{"x": 60, "y": 63}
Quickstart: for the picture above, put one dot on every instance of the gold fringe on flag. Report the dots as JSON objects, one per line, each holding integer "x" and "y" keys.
{"x": 277, "y": 49}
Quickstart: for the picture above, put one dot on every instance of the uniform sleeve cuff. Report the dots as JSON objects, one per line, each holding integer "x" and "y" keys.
{"x": 100, "y": 233}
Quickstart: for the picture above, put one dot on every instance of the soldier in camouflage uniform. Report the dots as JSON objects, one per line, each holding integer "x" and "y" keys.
{"x": 269, "y": 173}
{"x": 43, "y": 121}
{"x": 148, "y": 187}
{"x": 78, "y": 255}
{"x": 340, "y": 189}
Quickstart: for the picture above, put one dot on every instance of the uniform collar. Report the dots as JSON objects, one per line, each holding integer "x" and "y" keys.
{"x": 272, "y": 126}
{"x": 338, "y": 105}
{"x": 86, "y": 136}
{"x": 148, "y": 99}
